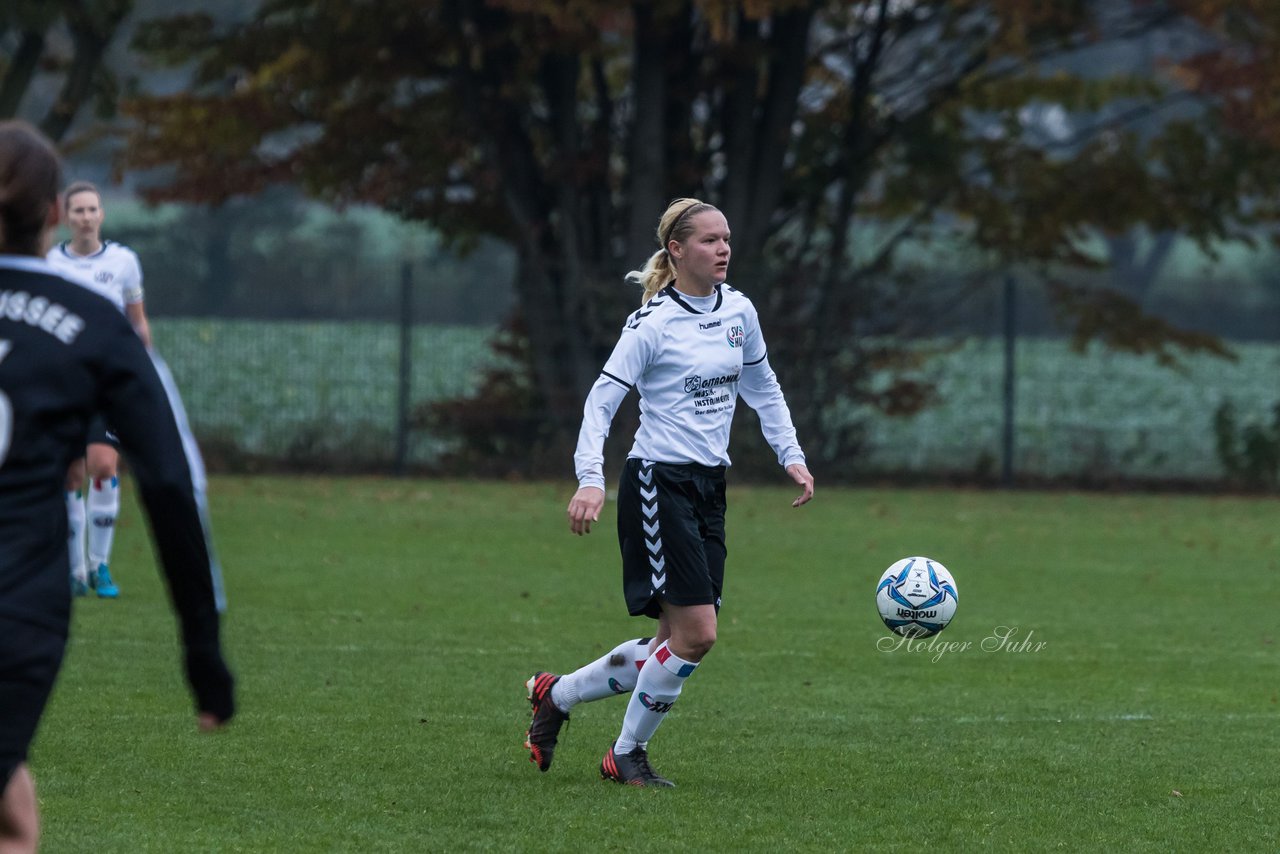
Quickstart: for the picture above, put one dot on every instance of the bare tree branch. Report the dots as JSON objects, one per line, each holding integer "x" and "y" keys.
{"x": 17, "y": 77}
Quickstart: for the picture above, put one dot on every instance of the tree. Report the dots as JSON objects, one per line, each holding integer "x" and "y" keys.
{"x": 840, "y": 139}
{"x": 32, "y": 37}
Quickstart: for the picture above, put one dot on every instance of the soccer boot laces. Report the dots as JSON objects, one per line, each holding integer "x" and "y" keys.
{"x": 632, "y": 769}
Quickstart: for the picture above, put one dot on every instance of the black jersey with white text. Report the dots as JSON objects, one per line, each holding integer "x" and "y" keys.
{"x": 690, "y": 358}
{"x": 67, "y": 353}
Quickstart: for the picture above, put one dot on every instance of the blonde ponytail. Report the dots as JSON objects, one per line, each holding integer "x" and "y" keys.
{"x": 675, "y": 224}
{"x": 654, "y": 277}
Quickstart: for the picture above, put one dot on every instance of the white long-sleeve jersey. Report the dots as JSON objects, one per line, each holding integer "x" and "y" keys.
{"x": 689, "y": 358}
{"x": 112, "y": 271}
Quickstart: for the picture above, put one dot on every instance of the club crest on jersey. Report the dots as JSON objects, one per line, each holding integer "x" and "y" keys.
{"x": 736, "y": 335}
{"x": 103, "y": 277}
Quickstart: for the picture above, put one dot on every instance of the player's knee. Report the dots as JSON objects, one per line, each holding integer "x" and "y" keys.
{"x": 102, "y": 461}
{"x": 101, "y": 469}
{"x": 19, "y": 837}
{"x": 75, "y": 475}
{"x": 694, "y": 645}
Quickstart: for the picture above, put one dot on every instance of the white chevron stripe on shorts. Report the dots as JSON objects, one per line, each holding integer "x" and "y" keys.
{"x": 652, "y": 536}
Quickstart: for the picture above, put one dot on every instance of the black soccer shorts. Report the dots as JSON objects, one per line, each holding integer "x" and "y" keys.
{"x": 30, "y": 656}
{"x": 101, "y": 434}
{"x": 671, "y": 532}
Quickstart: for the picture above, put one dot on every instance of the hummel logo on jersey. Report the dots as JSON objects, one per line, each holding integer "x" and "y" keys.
{"x": 715, "y": 324}
{"x": 696, "y": 383}
{"x": 736, "y": 335}
{"x": 642, "y": 313}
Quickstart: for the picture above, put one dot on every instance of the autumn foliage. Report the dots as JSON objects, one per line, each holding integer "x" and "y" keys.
{"x": 842, "y": 141}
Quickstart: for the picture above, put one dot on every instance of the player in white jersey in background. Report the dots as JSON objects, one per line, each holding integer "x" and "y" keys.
{"x": 691, "y": 349}
{"x": 113, "y": 271}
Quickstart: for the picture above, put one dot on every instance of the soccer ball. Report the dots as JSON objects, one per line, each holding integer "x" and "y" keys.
{"x": 916, "y": 597}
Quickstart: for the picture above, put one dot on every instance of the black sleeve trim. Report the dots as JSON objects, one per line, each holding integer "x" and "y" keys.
{"x": 617, "y": 380}
{"x": 756, "y": 362}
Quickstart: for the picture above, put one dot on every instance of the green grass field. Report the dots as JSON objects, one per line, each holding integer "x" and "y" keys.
{"x": 382, "y": 632}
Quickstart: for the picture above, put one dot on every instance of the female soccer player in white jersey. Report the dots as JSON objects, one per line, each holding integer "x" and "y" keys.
{"x": 113, "y": 271}
{"x": 690, "y": 350}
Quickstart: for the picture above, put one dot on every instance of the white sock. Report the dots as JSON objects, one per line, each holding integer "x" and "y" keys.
{"x": 76, "y": 535}
{"x": 104, "y": 507}
{"x": 661, "y": 680}
{"x": 611, "y": 674}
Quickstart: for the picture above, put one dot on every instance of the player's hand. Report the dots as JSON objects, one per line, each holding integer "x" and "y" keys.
{"x": 584, "y": 508}
{"x": 212, "y": 684}
{"x": 209, "y": 722}
{"x": 800, "y": 474}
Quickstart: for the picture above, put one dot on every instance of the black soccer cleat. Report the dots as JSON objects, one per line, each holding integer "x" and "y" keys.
{"x": 544, "y": 729}
{"x": 632, "y": 769}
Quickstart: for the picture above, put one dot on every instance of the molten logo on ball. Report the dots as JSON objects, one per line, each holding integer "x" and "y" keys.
{"x": 916, "y": 597}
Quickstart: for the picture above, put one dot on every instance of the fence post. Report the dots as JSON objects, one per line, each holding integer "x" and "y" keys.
{"x": 406, "y": 362}
{"x": 1010, "y": 377}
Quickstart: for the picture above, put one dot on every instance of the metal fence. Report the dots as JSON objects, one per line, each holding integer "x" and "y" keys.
{"x": 341, "y": 395}
{"x": 1055, "y": 414}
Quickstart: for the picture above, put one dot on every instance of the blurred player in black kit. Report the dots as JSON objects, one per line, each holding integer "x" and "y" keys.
{"x": 67, "y": 354}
